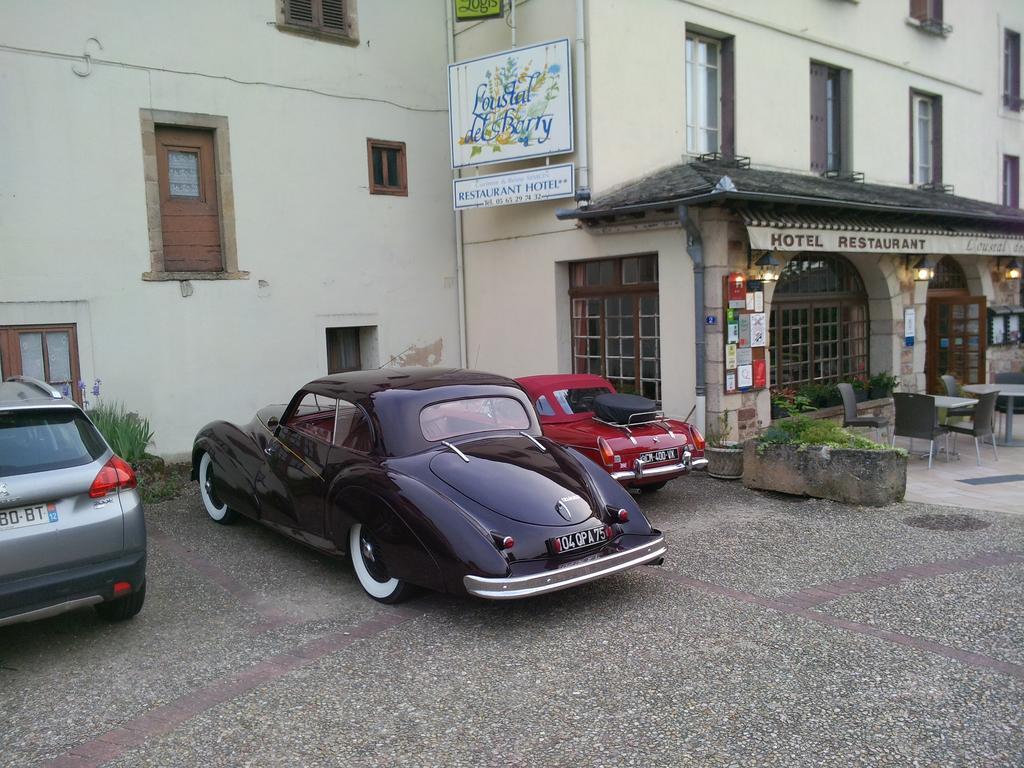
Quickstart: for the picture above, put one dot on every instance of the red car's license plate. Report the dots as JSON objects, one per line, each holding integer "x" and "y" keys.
{"x": 579, "y": 540}
{"x": 669, "y": 454}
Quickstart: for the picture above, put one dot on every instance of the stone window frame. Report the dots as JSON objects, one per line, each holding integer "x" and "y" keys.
{"x": 150, "y": 119}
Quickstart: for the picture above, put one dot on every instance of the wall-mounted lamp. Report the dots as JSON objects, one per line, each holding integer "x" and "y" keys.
{"x": 766, "y": 268}
{"x": 923, "y": 270}
{"x": 1012, "y": 271}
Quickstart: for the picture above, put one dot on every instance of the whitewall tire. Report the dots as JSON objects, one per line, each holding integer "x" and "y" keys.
{"x": 370, "y": 570}
{"x": 218, "y": 510}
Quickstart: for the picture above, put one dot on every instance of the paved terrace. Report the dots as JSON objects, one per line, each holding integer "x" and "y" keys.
{"x": 780, "y": 631}
{"x": 960, "y": 482}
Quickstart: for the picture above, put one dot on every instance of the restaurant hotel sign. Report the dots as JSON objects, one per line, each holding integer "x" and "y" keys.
{"x": 853, "y": 241}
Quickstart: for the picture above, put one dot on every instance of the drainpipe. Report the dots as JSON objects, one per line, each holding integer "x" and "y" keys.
{"x": 460, "y": 253}
{"x": 582, "y": 167}
{"x": 695, "y": 247}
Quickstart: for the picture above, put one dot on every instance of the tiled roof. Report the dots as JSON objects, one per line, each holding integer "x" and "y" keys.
{"x": 705, "y": 183}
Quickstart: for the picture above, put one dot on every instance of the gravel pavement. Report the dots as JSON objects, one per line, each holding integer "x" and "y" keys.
{"x": 780, "y": 631}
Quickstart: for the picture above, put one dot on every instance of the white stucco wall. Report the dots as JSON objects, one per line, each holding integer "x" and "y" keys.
{"x": 320, "y": 250}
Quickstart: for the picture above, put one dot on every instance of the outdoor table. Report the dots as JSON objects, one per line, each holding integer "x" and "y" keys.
{"x": 1009, "y": 391}
{"x": 945, "y": 401}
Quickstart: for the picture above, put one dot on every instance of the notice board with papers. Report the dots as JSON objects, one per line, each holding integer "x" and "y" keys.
{"x": 745, "y": 333}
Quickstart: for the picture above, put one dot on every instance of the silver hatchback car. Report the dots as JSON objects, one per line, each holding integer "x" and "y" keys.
{"x": 72, "y": 532}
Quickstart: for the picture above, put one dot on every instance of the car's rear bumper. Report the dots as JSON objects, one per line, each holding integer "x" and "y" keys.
{"x": 642, "y": 472}
{"x": 570, "y": 576}
{"x": 49, "y": 594}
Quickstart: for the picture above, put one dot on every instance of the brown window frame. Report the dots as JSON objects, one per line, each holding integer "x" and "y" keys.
{"x": 289, "y": 19}
{"x": 376, "y": 188}
{"x": 617, "y": 288}
{"x": 853, "y": 296}
{"x": 10, "y": 352}
{"x": 835, "y": 112}
{"x": 1011, "y": 181}
{"x": 1011, "y": 70}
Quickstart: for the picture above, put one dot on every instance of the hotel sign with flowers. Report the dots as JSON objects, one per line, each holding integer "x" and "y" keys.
{"x": 511, "y": 105}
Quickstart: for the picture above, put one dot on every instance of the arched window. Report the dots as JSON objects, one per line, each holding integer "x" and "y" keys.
{"x": 949, "y": 276}
{"x": 819, "y": 321}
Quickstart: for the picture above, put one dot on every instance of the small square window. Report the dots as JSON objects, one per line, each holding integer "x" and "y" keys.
{"x": 387, "y": 167}
{"x": 343, "y": 350}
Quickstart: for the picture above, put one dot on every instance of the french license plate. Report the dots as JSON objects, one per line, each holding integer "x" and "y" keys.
{"x": 570, "y": 542}
{"x": 668, "y": 454}
{"x": 26, "y": 516}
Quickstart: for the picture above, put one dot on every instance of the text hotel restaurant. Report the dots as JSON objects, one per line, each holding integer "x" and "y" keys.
{"x": 849, "y": 259}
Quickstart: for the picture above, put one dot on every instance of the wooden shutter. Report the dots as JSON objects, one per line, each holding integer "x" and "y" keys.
{"x": 727, "y": 71}
{"x": 919, "y": 9}
{"x": 819, "y": 79}
{"x": 936, "y": 139}
{"x": 190, "y": 215}
{"x": 333, "y": 15}
{"x": 300, "y": 12}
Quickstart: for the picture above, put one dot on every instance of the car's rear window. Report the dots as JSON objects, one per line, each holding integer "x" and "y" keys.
{"x": 573, "y": 401}
{"x": 443, "y": 421}
{"x": 37, "y": 441}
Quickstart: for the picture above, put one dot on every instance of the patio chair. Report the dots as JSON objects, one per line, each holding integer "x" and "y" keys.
{"x": 850, "y": 417}
{"x": 1001, "y": 402}
{"x": 916, "y": 416}
{"x": 953, "y": 390}
{"x": 983, "y": 426}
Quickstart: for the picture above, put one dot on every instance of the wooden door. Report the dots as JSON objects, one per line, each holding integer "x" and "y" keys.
{"x": 189, "y": 207}
{"x": 956, "y": 340}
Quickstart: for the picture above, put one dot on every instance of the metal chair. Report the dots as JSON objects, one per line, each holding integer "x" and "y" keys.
{"x": 983, "y": 426}
{"x": 953, "y": 390}
{"x": 1002, "y": 403}
{"x": 916, "y": 417}
{"x": 850, "y": 417}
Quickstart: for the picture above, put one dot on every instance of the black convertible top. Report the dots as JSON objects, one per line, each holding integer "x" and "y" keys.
{"x": 357, "y": 385}
{"x": 617, "y": 408}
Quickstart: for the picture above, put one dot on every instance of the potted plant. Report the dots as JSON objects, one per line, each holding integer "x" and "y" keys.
{"x": 787, "y": 401}
{"x": 821, "y": 395}
{"x": 725, "y": 456}
{"x": 881, "y": 385}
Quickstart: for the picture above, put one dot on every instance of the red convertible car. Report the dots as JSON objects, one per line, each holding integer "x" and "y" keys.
{"x": 425, "y": 477}
{"x": 627, "y": 435}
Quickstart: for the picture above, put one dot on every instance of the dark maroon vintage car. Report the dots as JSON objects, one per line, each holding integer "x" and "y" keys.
{"x": 426, "y": 477}
{"x": 628, "y": 435}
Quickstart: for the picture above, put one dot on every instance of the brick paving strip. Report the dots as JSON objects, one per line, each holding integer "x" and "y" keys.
{"x": 796, "y": 608}
{"x": 272, "y": 616}
{"x": 165, "y": 718}
{"x": 822, "y": 593}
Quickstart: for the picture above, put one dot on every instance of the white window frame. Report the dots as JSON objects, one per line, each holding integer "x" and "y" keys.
{"x": 924, "y": 173}
{"x": 697, "y": 74}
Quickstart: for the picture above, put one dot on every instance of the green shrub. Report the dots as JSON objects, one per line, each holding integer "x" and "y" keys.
{"x": 128, "y": 433}
{"x": 802, "y": 431}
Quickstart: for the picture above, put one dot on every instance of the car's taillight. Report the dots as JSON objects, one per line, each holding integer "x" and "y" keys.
{"x": 607, "y": 454}
{"x": 116, "y": 473}
{"x": 698, "y": 438}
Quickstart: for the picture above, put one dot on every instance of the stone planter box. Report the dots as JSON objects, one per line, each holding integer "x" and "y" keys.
{"x": 868, "y": 478}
